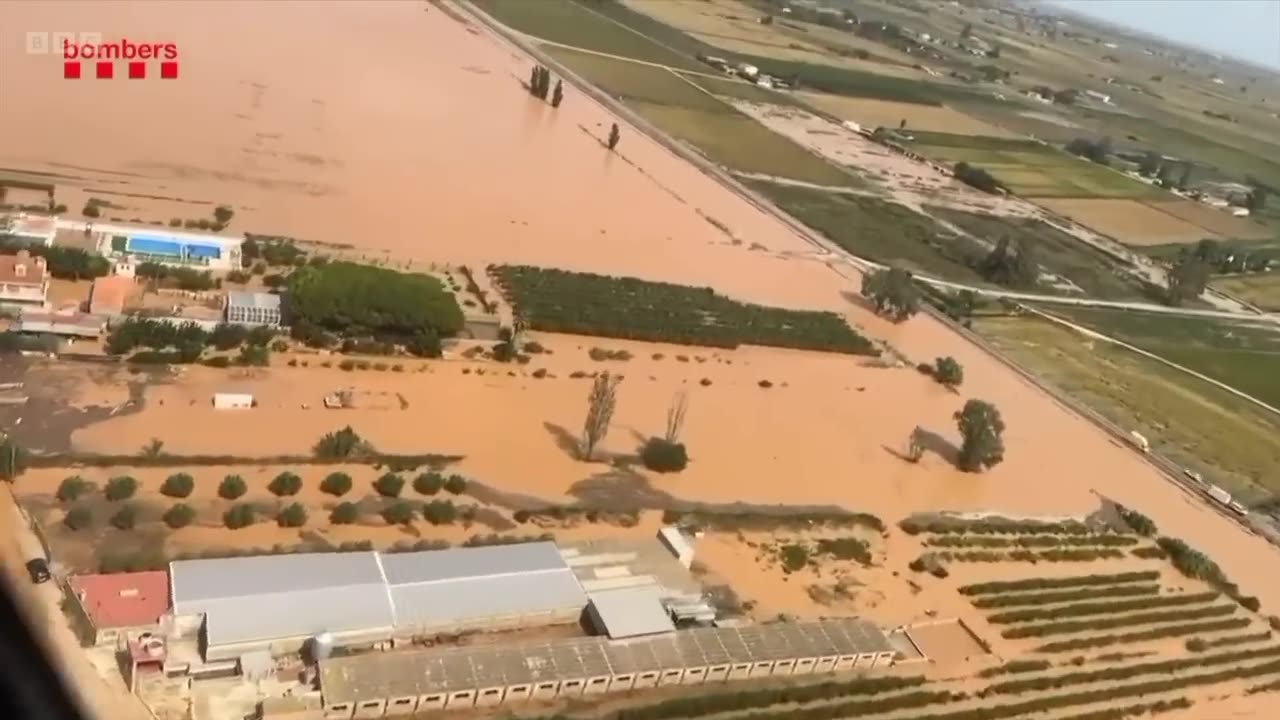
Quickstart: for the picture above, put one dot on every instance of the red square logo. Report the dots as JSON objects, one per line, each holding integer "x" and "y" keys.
{"x": 71, "y": 70}
{"x": 169, "y": 70}
{"x": 137, "y": 70}
{"x": 105, "y": 70}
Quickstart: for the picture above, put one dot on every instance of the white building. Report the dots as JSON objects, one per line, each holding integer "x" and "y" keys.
{"x": 252, "y": 308}
{"x": 28, "y": 229}
{"x": 233, "y": 401}
{"x": 166, "y": 246}
{"x": 24, "y": 280}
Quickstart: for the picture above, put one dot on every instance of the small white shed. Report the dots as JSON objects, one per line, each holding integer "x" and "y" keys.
{"x": 232, "y": 401}
{"x": 674, "y": 539}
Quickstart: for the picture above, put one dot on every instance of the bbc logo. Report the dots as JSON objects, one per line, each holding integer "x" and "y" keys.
{"x": 48, "y": 43}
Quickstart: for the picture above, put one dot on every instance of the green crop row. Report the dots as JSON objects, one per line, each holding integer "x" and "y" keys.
{"x": 1000, "y": 586}
{"x": 1015, "y": 667}
{"x": 905, "y": 701}
{"x": 1108, "y": 623}
{"x": 1128, "y": 711}
{"x": 1160, "y": 633}
{"x": 634, "y": 309}
{"x": 699, "y": 705}
{"x": 1102, "y": 607}
{"x": 992, "y": 526}
{"x": 732, "y": 519}
{"x": 1230, "y": 640}
{"x": 1126, "y": 672}
{"x": 1031, "y": 556}
{"x": 1031, "y": 541}
{"x": 1045, "y": 598}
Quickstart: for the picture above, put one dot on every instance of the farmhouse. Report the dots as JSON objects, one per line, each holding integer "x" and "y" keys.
{"x": 70, "y": 324}
{"x": 166, "y": 246}
{"x": 23, "y": 279}
{"x": 112, "y": 607}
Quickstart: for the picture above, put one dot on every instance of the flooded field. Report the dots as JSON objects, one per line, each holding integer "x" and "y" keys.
{"x": 390, "y": 126}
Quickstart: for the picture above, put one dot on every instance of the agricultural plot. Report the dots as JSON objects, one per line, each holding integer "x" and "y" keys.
{"x": 633, "y": 309}
{"x": 743, "y": 90}
{"x": 1031, "y": 169}
{"x": 1244, "y": 355}
{"x": 572, "y": 23}
{"x": 683, "y": 110}
{"x": 1231, "y": 441}
{"x": 1213, "y": 220}
{"x": 1129, "y": 221}
{"x": 1095, "y": 273}
{"x": 1261, "y": 290}
{"x": 880, "y": 230}
{"x": 872, "y": 113}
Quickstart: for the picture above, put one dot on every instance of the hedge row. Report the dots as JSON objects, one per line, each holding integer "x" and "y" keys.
{"x": 1138, "y": 522}
{"x": 1032, "y": 556}
{"x": 1101, "y": 607}
{"x": 398, "y": 463}
{"x": 1032, "y": 541}
{"x": 1128, "y": 711}
{"x": 992, "y": 526}
{"x": 1160, "y": 633}
{"x": 1126, "y": 672}
{"x": 1195, "y": 564}
{"x": 1272, "y": 686}
{"x": 1108, "y": 623}
{"x": 728, "y": 519}
{"x": 1149, "y": 552}
{"x": 1014, "y": 667}
{"x": 1100, "y": 695}
{"x": 1000, "y": 586}
{"x": 708, "y": 706}
{"x": 699, "y": 705}
{"x": 1045, "y": 598}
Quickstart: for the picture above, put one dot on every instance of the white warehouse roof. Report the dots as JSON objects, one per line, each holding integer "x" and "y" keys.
{"x": 264, "y": 598}
{"x": 243, "y": 298}
{"x": 630, "y": 612}
{"x": 247, "y": 599}
{"x": 447, "y": 588}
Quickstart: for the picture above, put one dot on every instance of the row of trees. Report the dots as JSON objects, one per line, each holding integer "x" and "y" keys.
{"x": 540, "y": 85}
{"x": 660, "y": 454}
{"x": 186, "y": 341}
{"x": 66, "y": 263}
{"x": 977, "y": 177}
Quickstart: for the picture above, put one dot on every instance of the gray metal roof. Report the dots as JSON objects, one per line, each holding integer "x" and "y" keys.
{"x": 199, "y": 580}
{"x": 631, "y": 612}
{"x": 453, "y": 603}
{"x": 461, "y": 563}
{"x": 243, "y": 298}
{"x": 388, "y": 675}
{"x": 266, "y": 597}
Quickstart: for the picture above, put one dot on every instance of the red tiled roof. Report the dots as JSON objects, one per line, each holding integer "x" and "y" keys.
{"x": 123, "y": 599}
{"x": 109, "y": 294}
{"x": 32, "y": 273}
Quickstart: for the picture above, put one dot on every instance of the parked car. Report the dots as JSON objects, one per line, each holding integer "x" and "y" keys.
{"x": 38, "y": 570}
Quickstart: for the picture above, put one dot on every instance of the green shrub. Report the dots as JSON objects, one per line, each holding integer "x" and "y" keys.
{"x": 344, "y": 443}
{"x": 293, "y": 515}
{"x": 1058, "y": 582}
{"x": 1060, "y": 596}
{"x": 121, "y": 488}
{"x": 428, "y": 483}
{"x": 239, "y": 516}
{"x": 336, "y": 484}
{"x": 992, "y": 526}
{"x": 1149, "y": 552}
{"x": 793, "y": 557}
{"x": 440, "y": 512}
{"x": 845, "y": 548}
{"x": 664, "y": 456}
{"x": 179, "y": 515}
{"x": 456, "y": 484}
{"x": 1104, "y": 607}
{"x": 178, "y": 485}
{"x": 1125, "y": 672}
{"x": 286, "y": 484}
{"x": 344, "y": 513}
{"x": 78, "y": 518}
{"x": 1197, "y": 645}
{"x": 125, "y": 518}
{"x": 400, "y": 513}
{"x": 232, "y": 487}
{"x": 73, "y": 487}
{"x": 389, "y": 485}
{"x": 1138, "y": 522}
{"x": 1031, "y": 541}
{"x": 1116, "y": 621}
{"x": 1160, "y": 633}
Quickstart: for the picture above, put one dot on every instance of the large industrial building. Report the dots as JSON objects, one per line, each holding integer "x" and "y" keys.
{"x": 167, "y": 246}
{"x": 280, "y": 603}
{"x": 402, "y": 683}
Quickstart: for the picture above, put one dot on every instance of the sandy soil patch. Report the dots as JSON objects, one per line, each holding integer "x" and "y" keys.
{"x": 1128, "y": 221}
{"x": 885, "y": 113}
{"x": 1214, "y": 220}
{"x": 1049, "y": 118}
{"x": 946, "y": 642}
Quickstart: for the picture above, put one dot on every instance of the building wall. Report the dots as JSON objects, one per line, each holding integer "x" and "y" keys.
{"x": 24, "y": 293}
{"x": 248, "y": 315}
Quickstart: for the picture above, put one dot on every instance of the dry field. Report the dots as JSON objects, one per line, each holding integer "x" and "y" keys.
{"x": 1129, "y": 221}
{"x": 1213, "y": 220}
{"x": 872, "y": 113}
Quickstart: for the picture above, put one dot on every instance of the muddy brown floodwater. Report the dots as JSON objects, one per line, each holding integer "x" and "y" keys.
{"x": 390, "y": 126}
